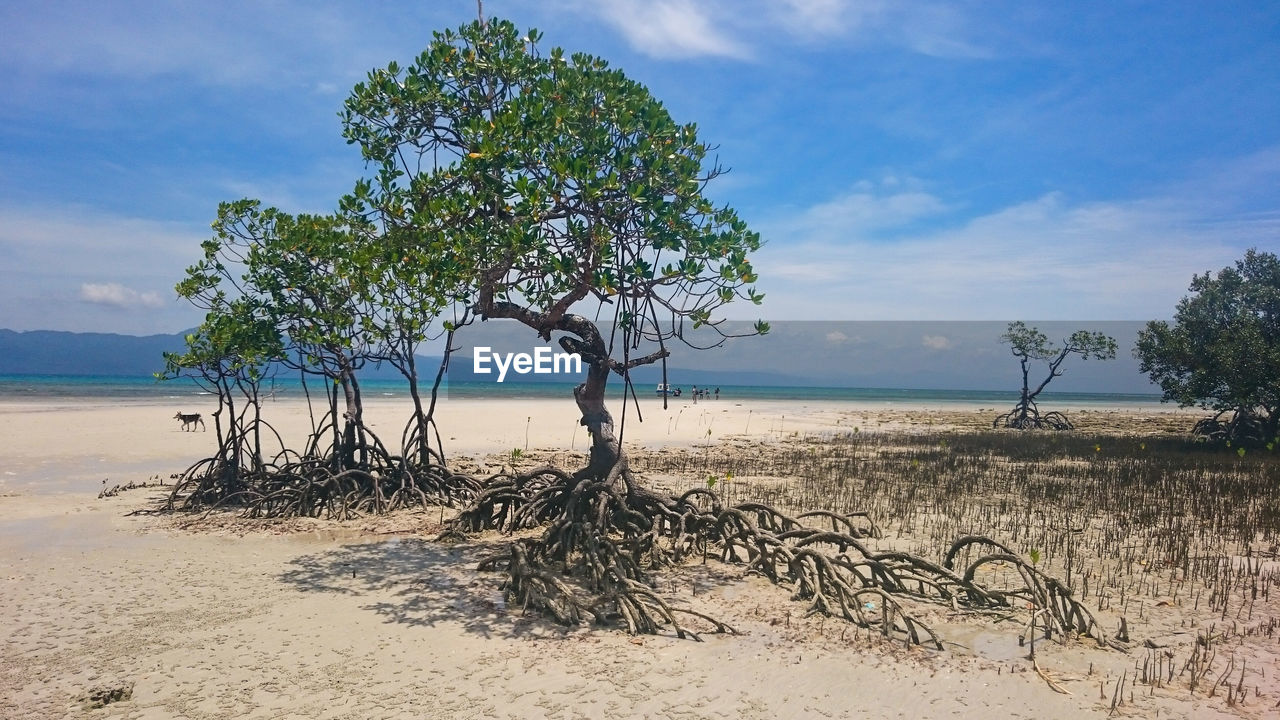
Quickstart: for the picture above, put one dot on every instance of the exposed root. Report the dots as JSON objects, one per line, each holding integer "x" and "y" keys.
{"x": 1048, "y": 680}
{"x": 1241, "y": 427}
{"x": 1030, "y": 418}
{"x": 636, "y": 604}
{"x": 600, "y": 546}
{"x": 1063, "y": 614}
{"x": 294, "y": 486}
{"x": 530, "y": 587}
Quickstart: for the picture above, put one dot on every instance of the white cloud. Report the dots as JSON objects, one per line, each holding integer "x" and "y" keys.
{"x": 818, "y": 17}
{"x": 936, "y": 342}
{"x": 1047, "y": 258}
{"x": 936, "y": 30}
{"x": 100, "y": 39}
{"x": 117, "y": 295}
{"x": 928, "y": 28}
{"x": 864, "y": 210}
{"x": 223, "y": 44}
{"x": 71, "y": 239}
{"x": 748, "y": 29}
{"x": 671, "y": 28}
{"x": 54, "y": 259}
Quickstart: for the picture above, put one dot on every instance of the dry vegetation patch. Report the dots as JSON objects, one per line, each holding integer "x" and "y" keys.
{"x": 1172, "y": 542}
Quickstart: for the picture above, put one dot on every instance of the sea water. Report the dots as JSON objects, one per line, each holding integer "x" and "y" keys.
{"x": 147, "y": 389}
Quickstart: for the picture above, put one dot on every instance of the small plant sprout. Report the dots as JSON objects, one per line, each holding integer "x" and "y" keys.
{"x": 1240, "y": 452}
{"x": 1035, "y": 556}
{"x": 711, "y": 482}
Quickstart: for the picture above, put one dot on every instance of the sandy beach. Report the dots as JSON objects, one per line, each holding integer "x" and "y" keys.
{"x": 371, "y": 618}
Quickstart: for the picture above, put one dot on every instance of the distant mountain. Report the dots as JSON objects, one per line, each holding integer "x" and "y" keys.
{"x": 49, "y": 352}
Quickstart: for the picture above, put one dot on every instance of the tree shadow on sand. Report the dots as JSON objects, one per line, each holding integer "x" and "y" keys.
{"x": 415, "y": 581}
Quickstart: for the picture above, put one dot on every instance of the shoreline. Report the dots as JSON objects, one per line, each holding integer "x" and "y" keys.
{"x": 41, "y": 387}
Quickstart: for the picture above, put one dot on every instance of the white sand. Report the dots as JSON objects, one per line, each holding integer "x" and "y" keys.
{"x": 344, "y": 622}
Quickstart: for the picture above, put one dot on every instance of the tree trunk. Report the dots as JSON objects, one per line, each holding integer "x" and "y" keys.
{"x": 606, "y": 452}
{"x": 352, "y": 435}
{"x": 224, "y": 401}
{"x": 607, "y": 459}
{"x": 430, "y": 419}
{"x": 1026, "y": 386}
{"x": 418, "y": 424}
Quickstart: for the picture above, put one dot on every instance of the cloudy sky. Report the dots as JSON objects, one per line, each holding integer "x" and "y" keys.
{"x": 903, "y": 160}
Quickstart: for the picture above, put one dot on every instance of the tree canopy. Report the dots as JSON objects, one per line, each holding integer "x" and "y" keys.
{"x": 1029, "y": 344}
{"x": 549, "y": 189}
{"x": 550, "y": 180}
{"x": 1222, "y": 350}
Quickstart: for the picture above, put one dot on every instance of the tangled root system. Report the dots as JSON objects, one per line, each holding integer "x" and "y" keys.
{"x": 292, "y": 486}
{"x": 1030, "y": 418}
{"x": 600, "y": 547}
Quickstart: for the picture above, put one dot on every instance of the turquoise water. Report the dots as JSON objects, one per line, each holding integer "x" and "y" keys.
{"x": 37, "y": 387}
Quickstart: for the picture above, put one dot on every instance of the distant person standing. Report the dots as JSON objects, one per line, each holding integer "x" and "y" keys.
{"x": 695, "y": 394}
{"x": 717, "y": 393}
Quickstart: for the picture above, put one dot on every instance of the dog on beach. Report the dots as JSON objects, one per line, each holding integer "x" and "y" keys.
{"x": 189, "y": 421}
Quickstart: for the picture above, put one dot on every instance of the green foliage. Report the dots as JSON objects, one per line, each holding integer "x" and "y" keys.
{"x": 544, "y": 179}
{"x": 1222, "y": 350}
{"x": 308, "y": 277}
{"x": 236, "y": 342}
{"x": 502, "y": 181}
{"x": 334, "y": 287}
{"x": 1029, "y": 342}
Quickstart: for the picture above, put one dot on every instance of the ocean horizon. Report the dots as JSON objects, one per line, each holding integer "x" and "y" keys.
{"x": 131, "y": 388}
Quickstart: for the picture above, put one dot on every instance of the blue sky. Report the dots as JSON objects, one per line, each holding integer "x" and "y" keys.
{"x": 903, "y": 160}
